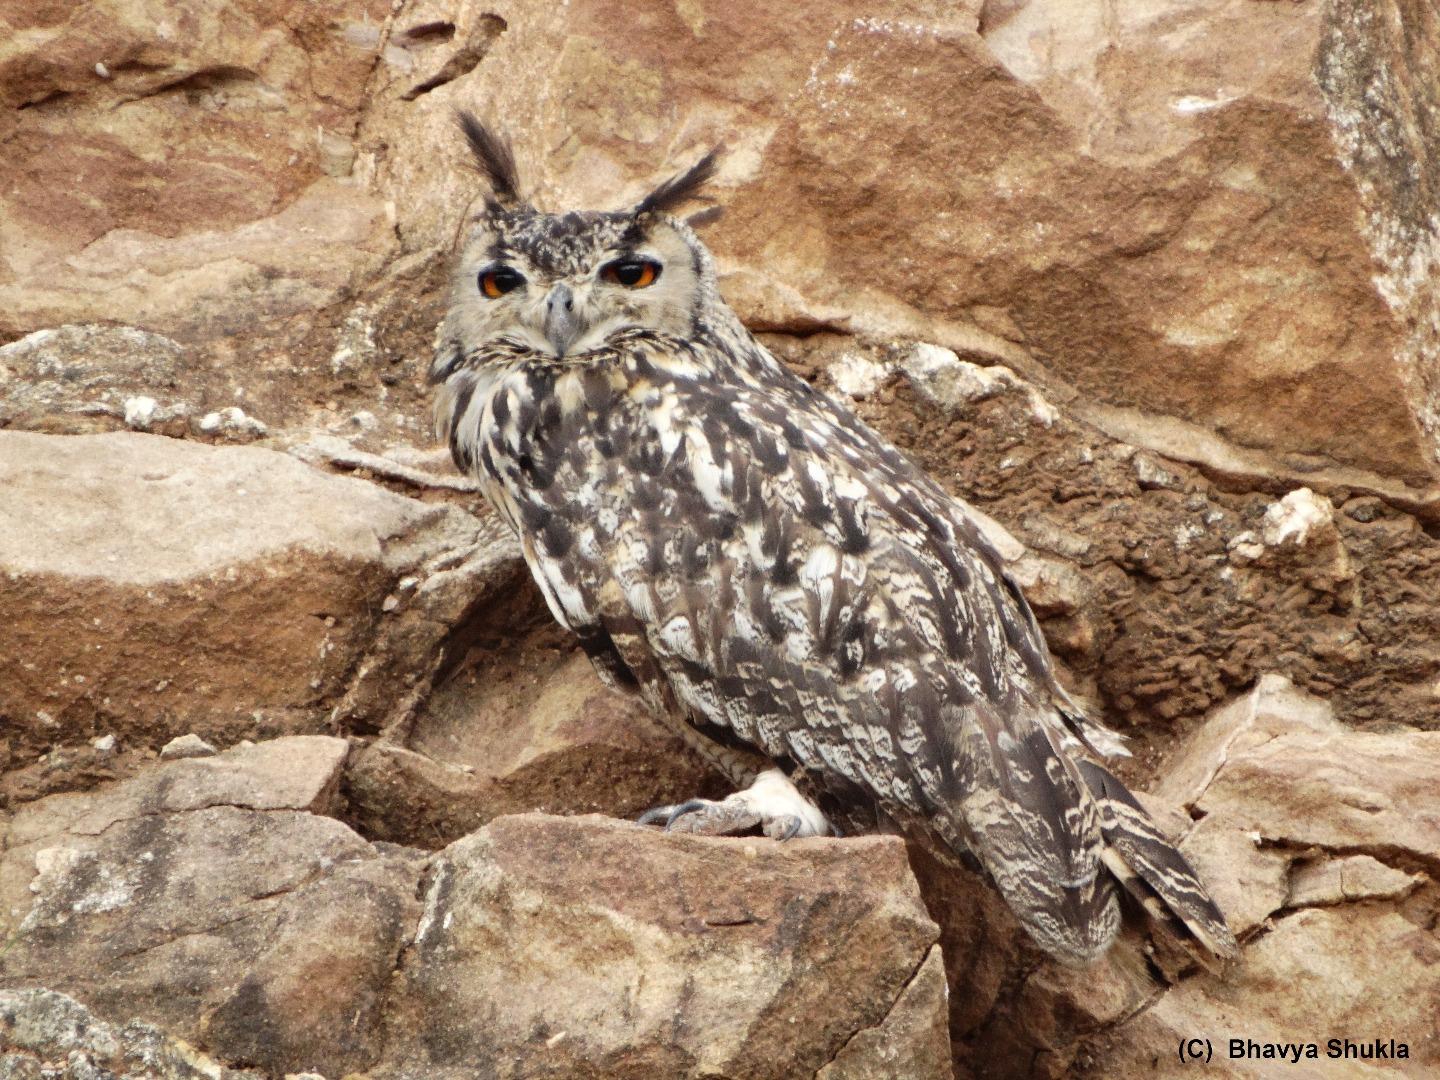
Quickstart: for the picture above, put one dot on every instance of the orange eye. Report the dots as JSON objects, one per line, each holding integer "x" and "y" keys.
{"x": 632, "y": 273}
{"x": 499, "y": 280}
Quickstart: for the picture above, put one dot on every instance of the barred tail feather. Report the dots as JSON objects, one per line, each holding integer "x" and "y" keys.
{"x": 1152, "y": 871}
{"x": 1031, "y": 820}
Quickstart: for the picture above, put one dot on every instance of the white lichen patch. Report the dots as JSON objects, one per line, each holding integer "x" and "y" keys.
{"x": 1151, "y": 474}
{"x": 73, "y": 881}
{"x": 942, "y": 378}
{"x": 355, "y": 347}
{"x": 140, "y": 412}
{"x": 857, "y": 376}
{"x": 1374, "y": 104}
{"x": 1245, "y": 547}
{"x": 233, "y": 423}
{"x": 1187, "y": 534}
{"x": 52, "y": 864}
{"x": 109, "y": 893}
{"x": 1296, "y": 518}
{"x": 1045, "y": 414}
{"x": 431, "y": 910}
{"x": 897, "y": 27}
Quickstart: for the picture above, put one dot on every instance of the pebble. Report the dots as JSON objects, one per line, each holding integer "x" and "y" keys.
{"x": 187, "y": 746}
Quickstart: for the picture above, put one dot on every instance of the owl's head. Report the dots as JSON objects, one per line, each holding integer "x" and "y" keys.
{"x": 532, "y": 285}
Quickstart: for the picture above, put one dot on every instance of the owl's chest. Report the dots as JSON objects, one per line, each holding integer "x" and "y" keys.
{"x": 558, "y": 442}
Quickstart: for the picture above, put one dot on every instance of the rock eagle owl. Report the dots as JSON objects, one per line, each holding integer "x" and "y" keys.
{"x": 775, "y": 580}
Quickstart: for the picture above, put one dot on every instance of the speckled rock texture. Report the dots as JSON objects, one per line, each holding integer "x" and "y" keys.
{"x": 218, "y": 900}
{"x": 1154, "y": 287}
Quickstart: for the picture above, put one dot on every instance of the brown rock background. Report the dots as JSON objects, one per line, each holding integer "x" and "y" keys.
{"x": 1155, "y": 288}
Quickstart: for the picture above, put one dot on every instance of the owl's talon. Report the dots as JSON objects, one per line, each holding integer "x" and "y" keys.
{"x": 792, "y": 826}
{"x": 691, "y": 806}
{"x": 772, "y": 802}
{"x": 666, "y": 816}
{"x": 655, "y": 815}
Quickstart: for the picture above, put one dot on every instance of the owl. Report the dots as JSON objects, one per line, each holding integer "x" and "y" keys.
{"x": 803, "y": 605}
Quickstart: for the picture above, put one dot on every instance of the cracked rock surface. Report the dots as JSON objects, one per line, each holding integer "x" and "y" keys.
{"x": 221, "y": 901}
{"x": 222, "y": 591}
{"x": 216, "y": 900}
{"x": 1321, "y": 842}
{"x": 753, "y": 959}
{"x": 211, "y": 898}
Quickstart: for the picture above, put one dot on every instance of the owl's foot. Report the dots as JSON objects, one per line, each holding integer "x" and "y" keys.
{"x": 771, "y": 801}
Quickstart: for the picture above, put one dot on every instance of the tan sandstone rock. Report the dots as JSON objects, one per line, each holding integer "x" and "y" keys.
{"x": 912, "y": 1039}
{"x": 1124, "y": 277}
{"x": 1335, "y": 943}
{"x": 159, "y": 587}
{"x": 300, "y": 773}
{"x": 590, "y": 947}
{"x": 1173, "y": 223}
{"x": 1306, "y": 833}
{"x": 1361, "y": 974}
{"x": 206, "y": 896}
{"x": 210, "y": 898}
{"x": 65, "y": 378}
{"x": 1350, "y": 878}
{"x": 1180, "y": 226}
{"x": 126, "y": 206}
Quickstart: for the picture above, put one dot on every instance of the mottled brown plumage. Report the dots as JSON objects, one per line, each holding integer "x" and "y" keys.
{"x": 772, "y": 576}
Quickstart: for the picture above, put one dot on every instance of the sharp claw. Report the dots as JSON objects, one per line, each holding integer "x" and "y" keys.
{"x": 835, "y": 830}
{"x": 654, "y": 815}
{"x": 684, "y": 808}
{"x": 740, "y": 812}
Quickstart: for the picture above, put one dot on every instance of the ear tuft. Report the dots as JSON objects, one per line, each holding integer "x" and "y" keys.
{"x": 494, "y": 159}
{"x": 681, "y": 188}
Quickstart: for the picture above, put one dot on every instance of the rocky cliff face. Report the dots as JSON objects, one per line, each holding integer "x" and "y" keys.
{"x": 1153, "y": 288}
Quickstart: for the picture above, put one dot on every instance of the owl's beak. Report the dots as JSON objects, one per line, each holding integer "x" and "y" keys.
{"x": 562, "y": 324}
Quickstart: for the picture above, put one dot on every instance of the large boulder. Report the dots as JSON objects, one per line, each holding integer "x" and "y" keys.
{"x": 127, "y": 205}
{"x": 211, "y": 898}
{"x": 590, "y": 947}
{"x": 157, "y": 587}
